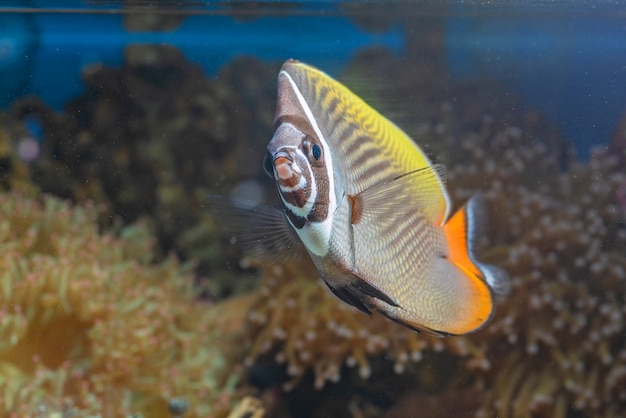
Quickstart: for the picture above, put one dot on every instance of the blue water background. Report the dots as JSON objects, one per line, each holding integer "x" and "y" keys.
{"x": 571, "y": 66}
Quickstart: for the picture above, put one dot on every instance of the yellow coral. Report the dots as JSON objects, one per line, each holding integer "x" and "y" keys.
{"x": 88, "y": 325}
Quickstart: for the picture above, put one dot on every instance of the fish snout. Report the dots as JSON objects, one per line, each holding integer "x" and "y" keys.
{"x": 287, "y": 172}
{"x": 283, "y": 167}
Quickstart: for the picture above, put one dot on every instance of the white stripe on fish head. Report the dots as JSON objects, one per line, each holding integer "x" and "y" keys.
{"x": 328, "y": 158}
{"x": 298, "y": 127}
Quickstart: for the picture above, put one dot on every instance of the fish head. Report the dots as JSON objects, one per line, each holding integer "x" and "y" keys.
{"x": 295, "y": 159}
{"x": 299, "y": 157}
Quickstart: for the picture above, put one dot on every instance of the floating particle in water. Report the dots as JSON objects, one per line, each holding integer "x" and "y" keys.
{"x": 28, "y": 149}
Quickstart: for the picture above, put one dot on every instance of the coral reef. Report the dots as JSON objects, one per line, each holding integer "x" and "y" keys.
{"x": 563, "y": 239}
{"x": 151, "y": 139}
{"x": 14, "y": 171}
{"x": 556, "y": 346}
{"x": 89, "y": 325}
{"x": 88, "y": 317}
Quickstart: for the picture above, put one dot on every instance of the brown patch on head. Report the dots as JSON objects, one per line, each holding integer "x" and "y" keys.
{"x": 319, "y": 211}
{"x": 298, "y": 198}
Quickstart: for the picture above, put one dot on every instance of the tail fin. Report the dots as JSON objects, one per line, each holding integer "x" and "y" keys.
{"x": 460, "y": 297}
{"x": 462, "y": 232}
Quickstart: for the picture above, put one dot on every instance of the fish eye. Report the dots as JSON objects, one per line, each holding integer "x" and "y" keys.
{"x": 267, "y": 165}
{"x": 316, "y": 151}
{"x": 313, "y": 151}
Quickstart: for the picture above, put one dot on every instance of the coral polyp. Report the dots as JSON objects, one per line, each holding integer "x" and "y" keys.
{"x": 556, "y": 346}
{"x": 91, "y": 326}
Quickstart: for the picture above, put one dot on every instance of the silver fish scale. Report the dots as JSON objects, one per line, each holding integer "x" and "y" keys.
{"x": 398, "y": 256}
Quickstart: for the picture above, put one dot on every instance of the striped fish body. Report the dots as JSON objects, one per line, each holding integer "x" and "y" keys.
{"x": 372, "y": 210}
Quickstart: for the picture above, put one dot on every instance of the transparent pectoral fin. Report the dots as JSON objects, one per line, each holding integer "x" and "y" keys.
{"x": 260, "y": 231}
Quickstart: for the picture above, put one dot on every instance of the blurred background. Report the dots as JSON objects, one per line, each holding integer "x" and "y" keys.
{"x": 121, "y": 294}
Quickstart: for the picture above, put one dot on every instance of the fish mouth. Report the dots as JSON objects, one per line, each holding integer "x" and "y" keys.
{"x": 284, "y": 168}
{"x": 287, "y": 173}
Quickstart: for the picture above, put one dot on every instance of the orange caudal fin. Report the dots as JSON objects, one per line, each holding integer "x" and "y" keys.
{"x": 462, "y": 232}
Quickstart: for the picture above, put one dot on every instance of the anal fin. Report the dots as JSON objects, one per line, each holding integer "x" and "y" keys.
{"x": 347, "y": 294}
{"x": 414, "y": 327}
{"x": 356, "y": 292}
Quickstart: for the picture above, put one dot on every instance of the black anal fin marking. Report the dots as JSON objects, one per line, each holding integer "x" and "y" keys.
{"x": 416, "y": 328}
{"x": 362, "y": 286}
{"x": 356, "y": 291}
{"x": 347, "y": 294}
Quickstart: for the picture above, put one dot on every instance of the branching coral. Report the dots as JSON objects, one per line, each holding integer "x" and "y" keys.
{"x": 88, "y": 325}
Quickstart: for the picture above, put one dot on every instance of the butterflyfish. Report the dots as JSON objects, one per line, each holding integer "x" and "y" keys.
{"x": 372, "y": 211}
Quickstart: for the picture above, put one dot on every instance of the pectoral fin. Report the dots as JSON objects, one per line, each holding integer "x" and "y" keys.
{"x": 261, "y": 231}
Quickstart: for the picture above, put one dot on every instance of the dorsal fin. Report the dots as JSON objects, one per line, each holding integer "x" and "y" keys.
{"x": 368, "y": 147}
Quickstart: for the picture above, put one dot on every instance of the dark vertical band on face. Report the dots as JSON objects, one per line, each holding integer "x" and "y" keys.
{"x": 294, "y": 110}
{"x": 298, "y": 222}
{"x": 319, "y": 212}
{"x": 299, "y": 191}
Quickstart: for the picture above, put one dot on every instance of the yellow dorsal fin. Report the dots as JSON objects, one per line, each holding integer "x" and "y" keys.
{"x": 369, "y": 148}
